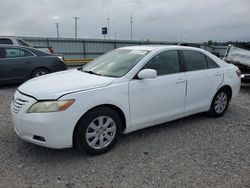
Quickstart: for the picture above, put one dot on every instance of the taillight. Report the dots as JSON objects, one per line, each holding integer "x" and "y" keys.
{"x": 51, "y": 50}
{"x": 238, "y": 72}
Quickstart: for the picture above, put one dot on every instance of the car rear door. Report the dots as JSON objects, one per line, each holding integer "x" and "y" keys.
{"x": 203, "y": 78}
{"x": 16, "y": 64}
{"x": 154, "y": 100}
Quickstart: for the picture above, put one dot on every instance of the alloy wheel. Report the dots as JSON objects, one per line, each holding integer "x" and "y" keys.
{"x": 40, "y": 73}
{"x": 220, "y": 103}
{"x": 100, "y": 132}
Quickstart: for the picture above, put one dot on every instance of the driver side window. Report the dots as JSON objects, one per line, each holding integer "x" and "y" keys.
{"x": 166, "y": 62}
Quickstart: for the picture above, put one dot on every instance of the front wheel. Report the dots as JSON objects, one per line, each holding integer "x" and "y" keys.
{"x": 97, "y": 131}
{"x": 220, "y": 103}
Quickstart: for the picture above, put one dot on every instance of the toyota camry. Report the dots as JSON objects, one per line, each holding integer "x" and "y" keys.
{"x": 125, "y": 90}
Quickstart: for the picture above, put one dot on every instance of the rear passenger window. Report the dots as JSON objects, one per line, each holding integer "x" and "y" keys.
{"x": 15, "y": 52}
{"x": 165, "y": 63}
{"x": 194, "y": 60}
{"x": 22, "y": 43}
{"x": 5, "y": 41}
{"x": 211, "y": 63}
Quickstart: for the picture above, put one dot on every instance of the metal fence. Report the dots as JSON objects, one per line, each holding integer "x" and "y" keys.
{"x": 85, "y": 48}
{"x": 73, "y": 48}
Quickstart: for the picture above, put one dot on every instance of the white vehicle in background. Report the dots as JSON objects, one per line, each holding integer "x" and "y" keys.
{"x": 20, "y": 42}
{"x": 122, "y": 91}
{"x": 241, "y": 58}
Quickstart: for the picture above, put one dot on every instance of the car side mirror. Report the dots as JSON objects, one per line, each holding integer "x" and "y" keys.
{"x": 147, "y": 74}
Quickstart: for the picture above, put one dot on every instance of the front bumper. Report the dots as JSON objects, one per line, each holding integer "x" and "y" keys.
{"x": 52, "y": 130}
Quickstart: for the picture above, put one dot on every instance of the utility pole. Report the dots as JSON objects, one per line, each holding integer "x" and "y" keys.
{"x": 108, "y": 27}
{"x": 75, "y": 18}
{"x": 131, "y": 26}
{"x": 57, "y": 29}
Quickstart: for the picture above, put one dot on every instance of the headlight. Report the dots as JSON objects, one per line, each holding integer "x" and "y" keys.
{"x": 50, "y": 106}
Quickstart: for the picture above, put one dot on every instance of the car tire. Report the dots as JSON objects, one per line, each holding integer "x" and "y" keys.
{"x": 97, "y": 131}
{"x": 219, "y": 103}
{"x": 39, "y": 72}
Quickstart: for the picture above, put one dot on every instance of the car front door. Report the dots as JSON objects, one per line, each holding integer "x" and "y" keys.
{"x": 155, "y": 100}
{"x": 15, "y": 64}
{"x": 203, "y": 78}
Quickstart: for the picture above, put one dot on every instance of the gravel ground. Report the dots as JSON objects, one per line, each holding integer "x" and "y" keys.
{"x": 197, "y": 151}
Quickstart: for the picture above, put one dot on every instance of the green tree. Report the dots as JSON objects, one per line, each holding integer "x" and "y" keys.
{"x": 210, "y": 43}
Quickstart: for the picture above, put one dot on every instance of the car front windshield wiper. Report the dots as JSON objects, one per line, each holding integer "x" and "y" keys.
{"x": 91, "y": 72}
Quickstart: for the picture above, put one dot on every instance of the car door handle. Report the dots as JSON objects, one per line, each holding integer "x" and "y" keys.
{"x": 179, "y": 81}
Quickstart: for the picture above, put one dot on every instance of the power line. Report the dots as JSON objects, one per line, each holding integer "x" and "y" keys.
{"x": 108, "y": 27}
{"x": 75, "y": 18}
{"x": 211, "y": 8}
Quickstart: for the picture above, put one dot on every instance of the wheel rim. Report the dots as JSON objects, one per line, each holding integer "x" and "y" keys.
{"x": 40, "y": 73}
{"x": 100, "y": 132}
{"x": 220, "y": 102}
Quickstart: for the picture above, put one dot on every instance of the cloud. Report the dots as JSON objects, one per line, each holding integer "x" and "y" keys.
{"x": 164, "y": 20}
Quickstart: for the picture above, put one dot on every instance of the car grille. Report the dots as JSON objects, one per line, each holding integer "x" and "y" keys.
{"x": 18, "y": 104}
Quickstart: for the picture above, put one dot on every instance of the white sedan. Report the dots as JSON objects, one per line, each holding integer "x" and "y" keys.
{"x": 122, "y": 91}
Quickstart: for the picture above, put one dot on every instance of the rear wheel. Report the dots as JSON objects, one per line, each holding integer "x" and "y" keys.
{"x": 97, "y": 131}
{"x": 39, "y": 72}
{"x": 220, "y": 103}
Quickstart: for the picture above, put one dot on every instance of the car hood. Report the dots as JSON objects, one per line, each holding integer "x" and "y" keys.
{"x": 54, "y": 85}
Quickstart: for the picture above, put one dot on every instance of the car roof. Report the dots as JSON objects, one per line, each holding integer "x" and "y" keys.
{"x": 162, "y": 47}
{"x": 10, "y": 37}
{"x": 6, "y": 37}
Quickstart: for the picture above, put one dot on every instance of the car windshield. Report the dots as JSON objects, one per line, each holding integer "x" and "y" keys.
{"x": 115, "y": 63}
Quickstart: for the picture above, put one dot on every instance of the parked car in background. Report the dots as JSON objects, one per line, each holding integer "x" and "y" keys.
{"x": 20, "y": 42}
{"x": 19, "y": 63}
{"x": 122, "y": 91}
{"x": 241, "y": 58}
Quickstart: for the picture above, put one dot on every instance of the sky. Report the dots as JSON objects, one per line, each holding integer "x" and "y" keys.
{"x": 155, "y": 20}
